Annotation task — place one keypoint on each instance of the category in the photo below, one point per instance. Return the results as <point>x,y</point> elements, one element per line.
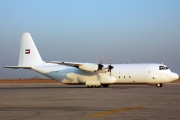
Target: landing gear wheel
<point>105,85</point>
<point>159,85</point>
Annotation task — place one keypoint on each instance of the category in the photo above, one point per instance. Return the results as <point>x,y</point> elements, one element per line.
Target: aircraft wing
<point>83,66</point>
<point>71,64</point>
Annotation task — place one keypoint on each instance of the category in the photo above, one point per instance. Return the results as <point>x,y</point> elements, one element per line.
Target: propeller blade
<point>133,60</point>
<point>102,58</point>
<point>110,67</point>
<point>100,66</point>
<point>110,60</point>
<point>97,61</point>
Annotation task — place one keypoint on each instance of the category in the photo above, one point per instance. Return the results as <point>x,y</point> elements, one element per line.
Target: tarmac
<point>48,101</point>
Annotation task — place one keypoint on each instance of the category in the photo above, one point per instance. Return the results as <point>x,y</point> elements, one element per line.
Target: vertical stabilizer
<point>29,54</point>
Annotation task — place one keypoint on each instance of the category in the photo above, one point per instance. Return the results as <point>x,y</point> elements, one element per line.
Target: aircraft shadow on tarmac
<point>72,87</point>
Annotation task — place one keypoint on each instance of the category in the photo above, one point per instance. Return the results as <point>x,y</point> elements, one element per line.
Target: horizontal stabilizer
<point>17,67</point>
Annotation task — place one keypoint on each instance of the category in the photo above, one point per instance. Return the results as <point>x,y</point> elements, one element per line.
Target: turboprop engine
<point>88,67</point>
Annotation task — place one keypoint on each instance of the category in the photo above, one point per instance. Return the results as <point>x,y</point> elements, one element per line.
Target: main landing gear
<point>90,86</point>
<point>104,85</point>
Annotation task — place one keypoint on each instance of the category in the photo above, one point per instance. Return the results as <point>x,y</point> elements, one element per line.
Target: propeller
<point>100,66</point>
<point>110,67</point>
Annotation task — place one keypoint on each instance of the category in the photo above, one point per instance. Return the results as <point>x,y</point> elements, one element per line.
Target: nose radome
<point>175,76</point>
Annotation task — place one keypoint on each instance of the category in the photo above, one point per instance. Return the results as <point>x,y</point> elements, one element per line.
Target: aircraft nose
<point>174,76</point>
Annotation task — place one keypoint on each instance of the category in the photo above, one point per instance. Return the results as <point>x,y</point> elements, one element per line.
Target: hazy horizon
<point>81,31</point>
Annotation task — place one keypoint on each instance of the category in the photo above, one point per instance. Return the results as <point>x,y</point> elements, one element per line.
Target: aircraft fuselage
<point>120,74</point>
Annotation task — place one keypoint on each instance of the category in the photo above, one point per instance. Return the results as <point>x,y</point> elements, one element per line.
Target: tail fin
<point>29,54</point>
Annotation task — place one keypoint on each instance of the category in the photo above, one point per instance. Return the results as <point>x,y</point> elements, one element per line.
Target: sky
<point>82,30</point>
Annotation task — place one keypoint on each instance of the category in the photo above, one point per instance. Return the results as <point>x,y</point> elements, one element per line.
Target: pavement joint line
<point>115,111</point>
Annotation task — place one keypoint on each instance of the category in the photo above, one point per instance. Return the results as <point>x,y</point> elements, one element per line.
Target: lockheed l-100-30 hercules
<point>92,74</point>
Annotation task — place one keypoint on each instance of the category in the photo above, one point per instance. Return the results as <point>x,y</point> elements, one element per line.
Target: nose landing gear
<point>159,85</point>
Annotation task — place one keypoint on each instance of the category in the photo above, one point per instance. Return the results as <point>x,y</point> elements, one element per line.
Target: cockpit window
<point>163,68</point>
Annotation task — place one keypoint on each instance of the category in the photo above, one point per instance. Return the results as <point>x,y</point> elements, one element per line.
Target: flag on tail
<point>27,51</point>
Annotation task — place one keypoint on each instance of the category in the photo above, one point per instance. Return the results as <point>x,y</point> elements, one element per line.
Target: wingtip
<point>5,66</point>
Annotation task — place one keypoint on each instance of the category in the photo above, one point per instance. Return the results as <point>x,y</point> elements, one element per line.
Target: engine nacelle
<point>106,79</point>
<point>88,67</point>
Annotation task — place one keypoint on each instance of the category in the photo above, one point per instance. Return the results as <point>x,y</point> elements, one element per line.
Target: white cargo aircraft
<point>91,74</point>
